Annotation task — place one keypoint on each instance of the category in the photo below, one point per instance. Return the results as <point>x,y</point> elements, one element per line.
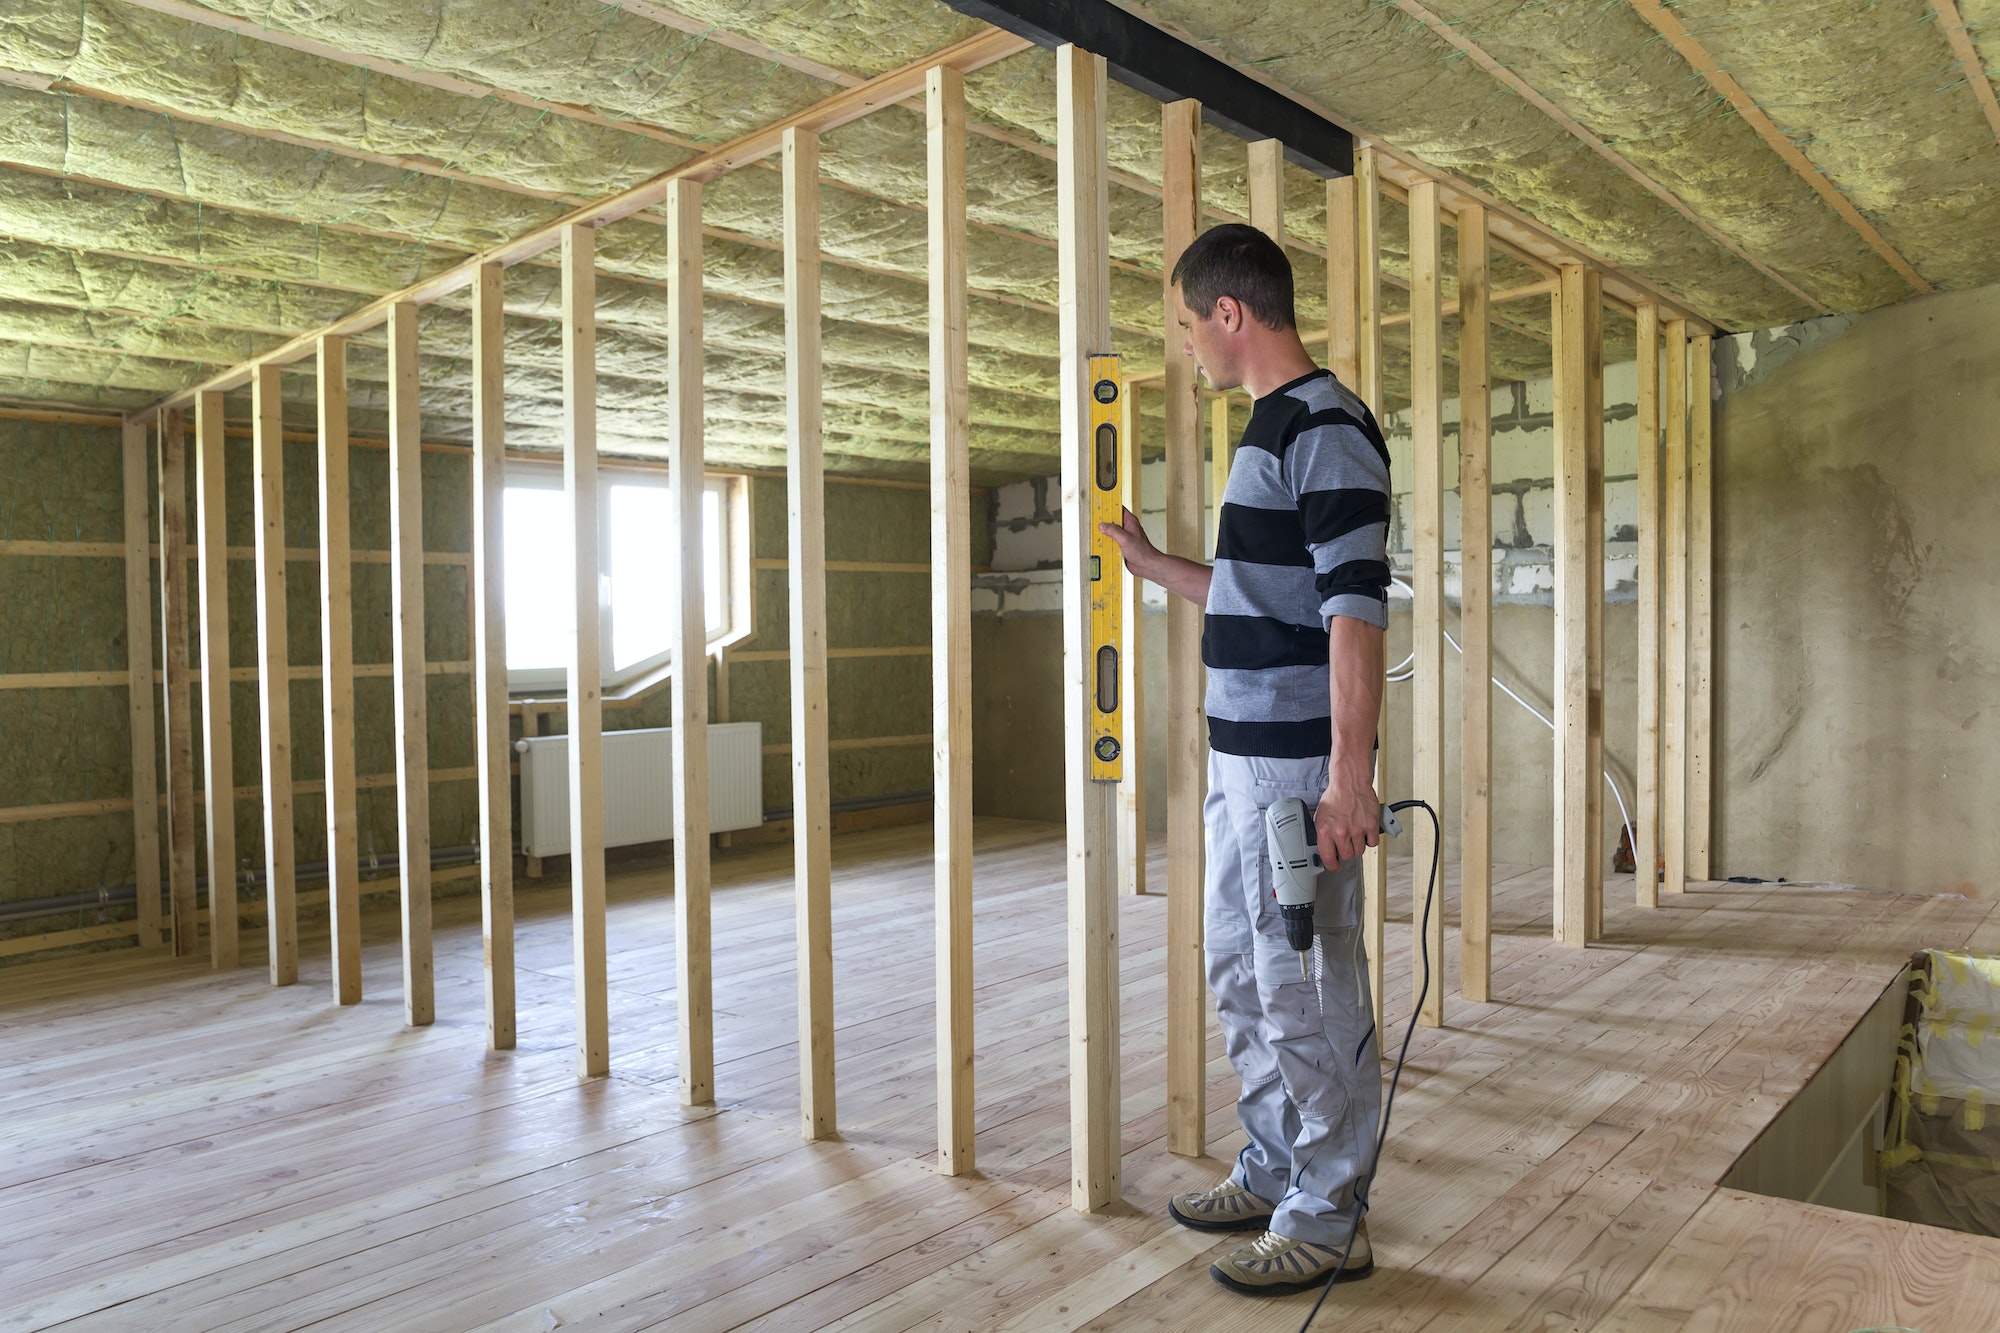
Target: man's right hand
<point>1133,543</point>
<point>1143,560</point>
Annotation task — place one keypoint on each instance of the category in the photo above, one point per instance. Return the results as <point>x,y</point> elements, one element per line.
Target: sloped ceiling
<point>183,186</point>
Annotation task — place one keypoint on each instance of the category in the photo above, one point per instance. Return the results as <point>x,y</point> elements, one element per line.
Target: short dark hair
<point>1240,261</point>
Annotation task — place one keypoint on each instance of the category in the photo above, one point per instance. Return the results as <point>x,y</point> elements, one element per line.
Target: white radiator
<point>639,785</point>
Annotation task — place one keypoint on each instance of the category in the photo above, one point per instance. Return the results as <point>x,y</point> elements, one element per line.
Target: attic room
<point>652,680</point>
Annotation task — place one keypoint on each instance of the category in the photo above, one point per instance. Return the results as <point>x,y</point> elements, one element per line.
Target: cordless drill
<point>1296,866</point>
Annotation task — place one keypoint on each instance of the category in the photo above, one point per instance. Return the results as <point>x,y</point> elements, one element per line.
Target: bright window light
<point>540,606</point>
<point>642,573</point>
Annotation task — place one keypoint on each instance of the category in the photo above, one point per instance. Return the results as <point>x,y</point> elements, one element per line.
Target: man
<point>1297,603</point>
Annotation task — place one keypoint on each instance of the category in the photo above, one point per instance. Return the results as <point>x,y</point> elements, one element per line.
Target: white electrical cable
<point>1405,669</point>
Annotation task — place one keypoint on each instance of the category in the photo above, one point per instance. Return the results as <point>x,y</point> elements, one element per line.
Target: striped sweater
<point>1303,538</point>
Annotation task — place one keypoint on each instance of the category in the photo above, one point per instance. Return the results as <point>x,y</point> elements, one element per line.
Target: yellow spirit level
<point>1107,573</point>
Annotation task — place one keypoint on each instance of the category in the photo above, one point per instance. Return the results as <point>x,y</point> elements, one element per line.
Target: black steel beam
<point>1164,67</point>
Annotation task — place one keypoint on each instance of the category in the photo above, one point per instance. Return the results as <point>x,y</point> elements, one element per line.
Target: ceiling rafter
<point>1960,41</point>
<point>1691,50</point>
<point>1528,93</point>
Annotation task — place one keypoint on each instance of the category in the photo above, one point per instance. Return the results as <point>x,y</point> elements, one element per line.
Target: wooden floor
<point>200,1152</point>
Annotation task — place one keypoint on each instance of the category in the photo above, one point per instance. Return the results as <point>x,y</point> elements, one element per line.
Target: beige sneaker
<point>1227,1207</point>
<point>1274,1265</point>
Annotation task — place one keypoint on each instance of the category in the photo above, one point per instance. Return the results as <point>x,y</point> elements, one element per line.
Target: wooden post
<point>1187,753</point>
<point>336,630</point>
<point>1475,617</point>
<point>1267,187</point>
<point>1701,608</point>
<point>1578,708</point>
<point>1674,614</point>
<point>217,765</point>
<point>1132,667</point>
<point>489,652</point>
<point>586,678</point>
<point>274,675</point>
<point>805,576</point>
<point>1368,383</point>
<point>1342,350</point>
<point>1593,573</point>
<point>406,598</point>
<point>1427,574</point>
<point>1083,239</point>
<point>951,616</point>
<point>174,694</point>
<point>1646,796</point>
<point>139,684</point>
<point>688,643</point>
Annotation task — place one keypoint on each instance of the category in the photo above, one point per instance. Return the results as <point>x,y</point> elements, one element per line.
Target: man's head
<point>1233,295</point>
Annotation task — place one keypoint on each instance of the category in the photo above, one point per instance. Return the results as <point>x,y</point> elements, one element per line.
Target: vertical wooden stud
<point>1083,239</point>
<point>406,598</point>
<point>336,630</point>
<point>1646,794</point>
<point>217,765</point>
<point>1132,666</point>
<point>1579,435</point>
<point>586,678</point>
<point>175,694</point>
<point>139,684</point>
<point>1342,350</point>
<point>274,676</point>
<point>688,644</point>
<point>951,615</point>
<point>1674,616</point>
<point>1368,383</point>
<point>1427,572</point>
<point>489,651</point>
<point>1475,619</point>
<point>1267,187</point>
<point>1593,573</point>
<point>1701,607</point>
<point>1187,752</point>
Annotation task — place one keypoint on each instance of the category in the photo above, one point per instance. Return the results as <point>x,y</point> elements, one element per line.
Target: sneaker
<point>1227,1207</point>
<point>1274,1265</point>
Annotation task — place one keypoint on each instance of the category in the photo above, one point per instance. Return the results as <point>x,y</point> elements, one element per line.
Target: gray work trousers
<point>1305,1047</point>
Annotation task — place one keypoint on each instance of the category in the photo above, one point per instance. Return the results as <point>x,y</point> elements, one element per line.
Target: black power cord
<point>1389,1102</point>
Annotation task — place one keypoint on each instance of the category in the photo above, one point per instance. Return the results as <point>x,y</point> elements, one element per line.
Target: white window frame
<point>736,624</point>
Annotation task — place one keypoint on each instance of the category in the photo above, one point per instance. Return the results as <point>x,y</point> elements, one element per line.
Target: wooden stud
<point>805,576</point>
<point>688,644</point>
<point>951,616</point>
<point>217,765</point>
<point>174,694</point>
<point>1475,618</point>
<point>1646,795</point>
<point>1132,666</point>
<point>585,697</point>
<point>1219,458</point>
<point>1266,182</point>
<point>489,652</point>
<point>274,682</point>
<point>406,598</point>
<point>1187,749</point>
<point>1342,349</point>
<point>1674,617</point>
<point>1701,608</point>
<point>1593,571</point>
<point>336,628</point>
<point>1579,436</point>
<point>1427,572</point>
<point>1368,383</point>
<point>139,684</point>
<point>1084,234</point>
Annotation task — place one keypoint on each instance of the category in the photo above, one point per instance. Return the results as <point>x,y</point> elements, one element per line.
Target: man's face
<point>1207,340</point>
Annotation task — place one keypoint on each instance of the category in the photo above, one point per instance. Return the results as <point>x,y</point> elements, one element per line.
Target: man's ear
<point>1229,313</point>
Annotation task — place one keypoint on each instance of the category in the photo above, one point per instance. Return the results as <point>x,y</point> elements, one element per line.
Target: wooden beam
<point>489,653</point>
<point>951,616</point>
<point>1475,618</point>
<point>805,579</point>
<point>1593,573</point>
<point>274,683</point>
<point>1952,23</point>
<point>1646,794</point>
<point>1342,350</point>
<point>1218,464</point>
<point>1083,227</point>
<point>1368,383</point>
<point>1575,325</point>
<point>139,683</point>
<point>1187,749</point>
<point>586,669</point>
<point>336,628</point>
<point>1674,616</point>
<point>174,669</point>
<point>1427,571</point>
<point>1266,182</point>
<point>406,598</point>
<point>688,645</point>
<point>1701,606</point>
<point>217,765</point>
<point>1132,667</point>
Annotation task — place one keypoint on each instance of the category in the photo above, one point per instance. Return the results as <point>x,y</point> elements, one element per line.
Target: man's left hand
<point>1348,822</point>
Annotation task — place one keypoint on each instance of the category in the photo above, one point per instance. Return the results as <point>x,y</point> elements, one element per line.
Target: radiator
<point>639,785</point>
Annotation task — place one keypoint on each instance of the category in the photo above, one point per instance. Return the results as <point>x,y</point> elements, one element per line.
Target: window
<point>638,547</point>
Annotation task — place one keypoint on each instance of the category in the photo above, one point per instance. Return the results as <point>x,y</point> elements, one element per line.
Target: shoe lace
<point>1270,1245</point>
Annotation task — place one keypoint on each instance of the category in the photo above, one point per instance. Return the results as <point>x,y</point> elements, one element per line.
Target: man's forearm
<point>1179,576</point>
<point>1354,656</point>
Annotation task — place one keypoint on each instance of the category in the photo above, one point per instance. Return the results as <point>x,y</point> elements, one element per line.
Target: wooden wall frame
<point>274,681</point>
<point>217,762</point>
<point>336,628</point>
<point>489,653</point>
<point>406,597</point>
